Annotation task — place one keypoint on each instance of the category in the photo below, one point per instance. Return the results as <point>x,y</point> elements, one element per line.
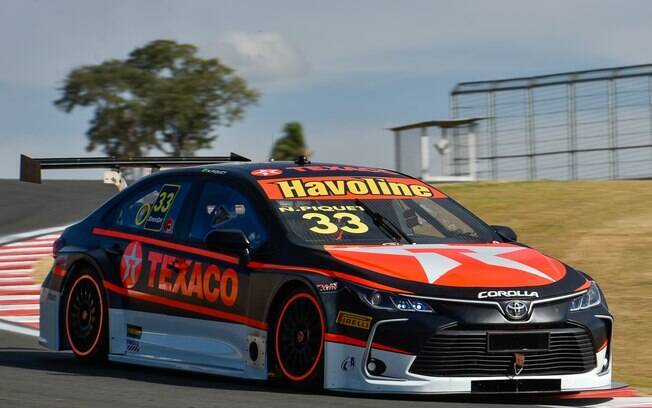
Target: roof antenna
<point>302,160</point>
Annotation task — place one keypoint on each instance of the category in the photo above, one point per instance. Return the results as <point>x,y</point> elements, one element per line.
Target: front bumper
<point>346,370</point>
<point>395,340</point>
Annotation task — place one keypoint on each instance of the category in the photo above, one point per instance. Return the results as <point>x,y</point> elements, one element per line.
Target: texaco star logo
<point>266,172</point>
<point>437,260</point>
<point>131,264</point>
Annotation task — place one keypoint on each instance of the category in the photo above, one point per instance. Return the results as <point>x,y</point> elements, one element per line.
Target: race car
<point>352,278</point>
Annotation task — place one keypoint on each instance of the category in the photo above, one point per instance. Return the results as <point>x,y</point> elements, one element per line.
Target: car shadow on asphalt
<point>63,363</point>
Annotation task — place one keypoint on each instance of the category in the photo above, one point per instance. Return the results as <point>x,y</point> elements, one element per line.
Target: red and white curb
<point>611,402</point>
<point>19,293</point>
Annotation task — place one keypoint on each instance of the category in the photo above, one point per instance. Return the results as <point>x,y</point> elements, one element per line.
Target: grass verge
<point>41,268</point>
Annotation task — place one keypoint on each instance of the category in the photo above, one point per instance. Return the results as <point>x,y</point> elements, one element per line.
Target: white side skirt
<point>184,343</point>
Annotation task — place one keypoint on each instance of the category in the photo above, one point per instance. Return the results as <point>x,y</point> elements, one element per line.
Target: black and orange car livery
<point>355,278</point>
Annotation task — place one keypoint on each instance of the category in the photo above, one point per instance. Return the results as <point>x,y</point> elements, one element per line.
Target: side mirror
<point>228,240</point>
<point>505,232</point>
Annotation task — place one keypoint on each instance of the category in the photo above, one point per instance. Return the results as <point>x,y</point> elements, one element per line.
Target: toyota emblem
<point>517,309</point>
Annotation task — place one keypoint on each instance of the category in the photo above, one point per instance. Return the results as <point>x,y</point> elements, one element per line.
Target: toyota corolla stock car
<point>351,278</point>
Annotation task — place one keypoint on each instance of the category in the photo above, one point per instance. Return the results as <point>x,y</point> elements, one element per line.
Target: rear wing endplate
<point>30,168</point>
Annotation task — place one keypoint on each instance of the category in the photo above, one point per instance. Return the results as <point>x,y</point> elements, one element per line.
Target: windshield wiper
<point>384,224</point>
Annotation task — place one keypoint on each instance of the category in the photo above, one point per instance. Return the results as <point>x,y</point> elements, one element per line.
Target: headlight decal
<point>590,299</point>
<point>388,301</point>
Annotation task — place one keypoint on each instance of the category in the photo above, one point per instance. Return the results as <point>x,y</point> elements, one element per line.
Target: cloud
<point>263,56</point>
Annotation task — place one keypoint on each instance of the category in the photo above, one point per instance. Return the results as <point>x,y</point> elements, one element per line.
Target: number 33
<point>354,224</point>
<point>162,205</point>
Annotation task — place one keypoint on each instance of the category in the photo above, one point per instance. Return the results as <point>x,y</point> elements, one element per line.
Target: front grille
<point>464,354</point>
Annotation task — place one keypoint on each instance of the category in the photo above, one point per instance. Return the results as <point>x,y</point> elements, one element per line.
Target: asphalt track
<point>33,377</point>
<point>26,206</point>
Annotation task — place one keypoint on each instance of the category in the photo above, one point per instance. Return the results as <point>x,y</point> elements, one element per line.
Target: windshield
<point>355,210</point>
<point>346,222</point>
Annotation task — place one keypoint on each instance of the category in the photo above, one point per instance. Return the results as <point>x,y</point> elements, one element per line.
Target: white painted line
<point>15,264</point>
<point>30,234</point>
<point>16,272</point>
<point>19,287</point>
<point>45,250</point>
<point>21,319</point>
<point>15,328</point>
<point>51,237</point>
<point>16,279</point>
<point>29,306</point>
<point>19,297</point>
<point>29,244</point>
<point>20,257</point>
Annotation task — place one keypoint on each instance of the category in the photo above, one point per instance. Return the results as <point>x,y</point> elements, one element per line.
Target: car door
<point>141,239</point>
<point>183,304</point>
<point>223,340</point>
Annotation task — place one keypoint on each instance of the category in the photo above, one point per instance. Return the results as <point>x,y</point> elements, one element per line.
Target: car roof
<point>243,170</point>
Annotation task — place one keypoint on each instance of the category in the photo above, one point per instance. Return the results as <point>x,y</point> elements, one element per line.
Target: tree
<point>162,96</point>
<point>292,145</point>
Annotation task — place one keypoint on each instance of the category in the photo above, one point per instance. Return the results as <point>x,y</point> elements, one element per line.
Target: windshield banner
<point>342,188</point>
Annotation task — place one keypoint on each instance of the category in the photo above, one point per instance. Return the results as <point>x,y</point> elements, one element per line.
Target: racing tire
<point>298,340</point>
<point>86,317</point>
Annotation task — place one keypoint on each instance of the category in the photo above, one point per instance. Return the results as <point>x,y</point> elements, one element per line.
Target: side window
<point>155,208</point>
<point>222,207</point>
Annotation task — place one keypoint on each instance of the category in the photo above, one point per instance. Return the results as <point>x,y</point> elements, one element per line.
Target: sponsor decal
<point>326,287</point>
<point>348,363</point>
<point>319,208</point>
<point>133,346</point>
<point>347,188</point>
<point>214,171</point>
<point>307,169</point>
<point>353,320</point>
<point>481,265</point>
<point>179,276</point>
<point>169,225</point>
<point>266,172</point>
<point>159,210</point>
<point>143,214</point>
<point>131,264</point>
<point>507,293</point>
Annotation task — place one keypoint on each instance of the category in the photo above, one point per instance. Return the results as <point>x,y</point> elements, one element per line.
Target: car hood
<point>497,265</point>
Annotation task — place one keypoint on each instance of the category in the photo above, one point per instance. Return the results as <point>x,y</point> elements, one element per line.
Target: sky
<point>346,69</point>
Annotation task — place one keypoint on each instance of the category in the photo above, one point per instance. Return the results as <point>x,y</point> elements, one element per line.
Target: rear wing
<point>30,168</point>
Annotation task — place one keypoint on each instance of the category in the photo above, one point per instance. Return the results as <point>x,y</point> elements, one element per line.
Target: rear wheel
<point>85,317</point>
<point>299,339</point>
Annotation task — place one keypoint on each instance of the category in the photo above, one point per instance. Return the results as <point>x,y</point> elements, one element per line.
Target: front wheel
<point>299,339</point>
<point>85,317</point>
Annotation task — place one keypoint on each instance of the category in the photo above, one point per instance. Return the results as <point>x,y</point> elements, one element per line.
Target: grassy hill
<point>601,227</point>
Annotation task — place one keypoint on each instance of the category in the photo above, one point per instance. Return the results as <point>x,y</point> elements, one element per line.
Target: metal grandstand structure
<point>437,150</point>
<point>593,124</point>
